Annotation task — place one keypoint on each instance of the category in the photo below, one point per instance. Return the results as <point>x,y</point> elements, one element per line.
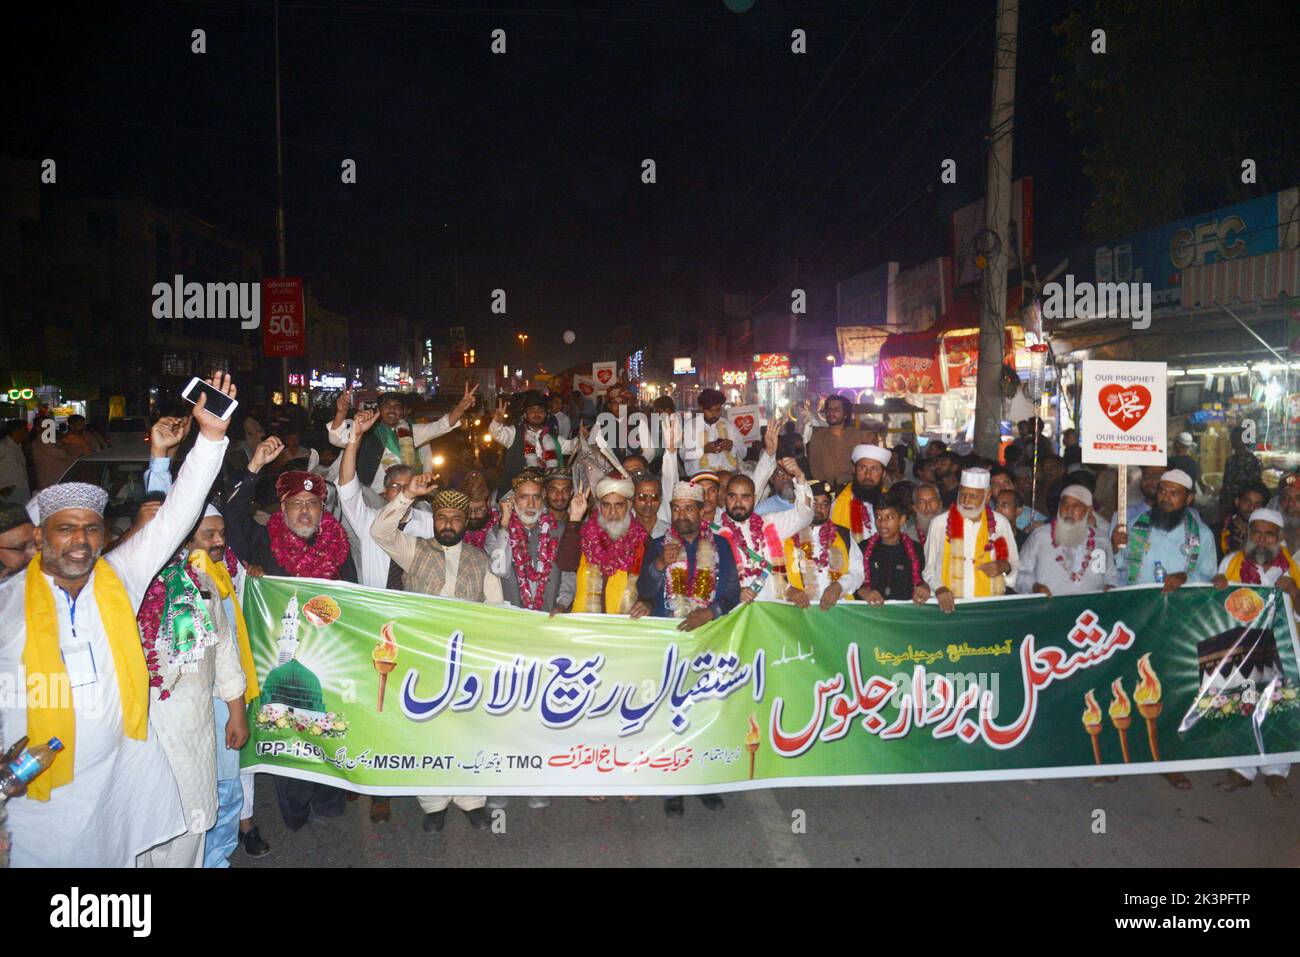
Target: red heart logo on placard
<point>1125,405</point>
<point>586,388</point>
<point>744,423</point>
<point>604,375</point>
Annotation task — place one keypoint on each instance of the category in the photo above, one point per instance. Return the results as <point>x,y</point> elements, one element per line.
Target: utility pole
<point>997,216</point>
<point>279,195</point>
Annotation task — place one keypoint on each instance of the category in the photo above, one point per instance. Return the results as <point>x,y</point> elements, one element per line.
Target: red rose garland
<point>320,559</point>
<point>152,609</point>
<point>739,546</point>
<point>860,520</point>
<point>608,554</point>
<point>957,530</point>
<point>478,538</point>
<point>825,536</point>
<point>531,578</point>
<point>1250,570</point>
<point>1087,552</point>
<point>908,547</point>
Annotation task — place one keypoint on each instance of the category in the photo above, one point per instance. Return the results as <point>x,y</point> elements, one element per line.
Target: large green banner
<point>391,693</point>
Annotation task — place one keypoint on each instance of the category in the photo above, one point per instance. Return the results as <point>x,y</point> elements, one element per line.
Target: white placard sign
<point>1123,413</point>
<point>747,420</point>
<point>605,374</point>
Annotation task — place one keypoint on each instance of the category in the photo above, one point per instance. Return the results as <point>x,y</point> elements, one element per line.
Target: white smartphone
<point>218,404</point>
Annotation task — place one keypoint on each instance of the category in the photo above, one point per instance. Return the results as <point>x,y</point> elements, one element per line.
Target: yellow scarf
<point>1233,572</point>
<point>598,595</point>
<point>49,697</point>
<point>793,570</point>
<point>220,576</point>
<point>954,573</point>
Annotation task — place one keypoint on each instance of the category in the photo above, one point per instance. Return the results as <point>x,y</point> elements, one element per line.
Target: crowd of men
<point>146,633</point>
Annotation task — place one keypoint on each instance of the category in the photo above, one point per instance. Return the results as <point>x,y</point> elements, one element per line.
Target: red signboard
<point>284,327</point>
<point>772,365</point>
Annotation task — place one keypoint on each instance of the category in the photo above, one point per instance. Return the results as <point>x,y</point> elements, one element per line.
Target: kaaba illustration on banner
<point>1238,657</point>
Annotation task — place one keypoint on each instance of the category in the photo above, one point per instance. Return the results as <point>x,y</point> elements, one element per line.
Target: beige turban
<point>612,486</point>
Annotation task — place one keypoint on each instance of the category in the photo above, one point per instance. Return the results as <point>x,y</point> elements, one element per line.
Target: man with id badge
<point>68,638</point>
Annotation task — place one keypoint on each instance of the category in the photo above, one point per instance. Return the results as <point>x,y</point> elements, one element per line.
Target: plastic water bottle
<point>1159,572</point>
<point>18,770</point>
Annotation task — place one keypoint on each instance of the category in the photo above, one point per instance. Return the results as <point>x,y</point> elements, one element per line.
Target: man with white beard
<point>1069,555</point>
<point>1266,562</point>
<point>1288,501</point>
<point>970,550</point>
<point>524,553</point>
<point>606,551</point>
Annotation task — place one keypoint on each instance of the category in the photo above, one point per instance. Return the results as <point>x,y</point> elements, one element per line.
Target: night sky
<point>522,171</point>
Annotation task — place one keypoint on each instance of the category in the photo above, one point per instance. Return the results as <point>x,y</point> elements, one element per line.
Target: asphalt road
<point>1147,823</point>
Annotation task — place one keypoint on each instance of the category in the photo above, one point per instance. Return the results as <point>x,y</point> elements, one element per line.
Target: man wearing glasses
<point>17,540</point>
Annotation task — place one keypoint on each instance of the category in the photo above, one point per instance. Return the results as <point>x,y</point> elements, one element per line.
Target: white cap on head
<point>1270,515</point>
<point>71,495</point>
<point>975,478</point>
<point>612,486</point>
<point>1079,493</point>
<point>685,491</point>
<point>1178,477</point>
<point>211,511</point>
<point>874,452</point>
<point>1185,438</point>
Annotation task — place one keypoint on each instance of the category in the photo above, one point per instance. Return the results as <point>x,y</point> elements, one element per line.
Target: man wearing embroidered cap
<point>688,574</point>
<point>855,507</point>
<point>68,635</point>
<point>1171,535</point>
<point>970,550</point>
<point>301,540</point>
<point>446,566</point>
<point>524,549</point>
<point>1069,555</point>
<point>1264,562</point>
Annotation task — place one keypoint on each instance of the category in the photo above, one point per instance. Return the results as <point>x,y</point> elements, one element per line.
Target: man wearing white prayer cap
<point>1263,562</point>
<point>68,631</point>
<point>970,550</point>
<point>1172,535</point>
<point>855,507</point>
<point>1069,555</point>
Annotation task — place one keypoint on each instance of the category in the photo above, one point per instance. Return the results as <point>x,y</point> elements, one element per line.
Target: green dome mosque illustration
<point>291,683</point>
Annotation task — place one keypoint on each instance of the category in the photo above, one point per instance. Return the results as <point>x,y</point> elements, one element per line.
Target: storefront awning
<point>944,355</point>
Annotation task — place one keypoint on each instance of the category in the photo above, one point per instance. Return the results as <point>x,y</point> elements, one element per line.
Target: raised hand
<point>466,401</point>
<point>503,411</point>
<point>421,484</point>
<point>364,420</point>
<point>791,466</point>
<point>343,403</point>
<point>213,428</point>
<point>578,504</point>
<point>165,435</point>
<point>672,552</point>
<point>770,439</point>
<point>268,451</point>
<point>507,508</point>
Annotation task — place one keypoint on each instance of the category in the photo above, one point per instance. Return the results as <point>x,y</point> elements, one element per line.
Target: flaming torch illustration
<point>752,737</point>
<point>1092,723</point>
<point>1147,696</point>
<point>1121,714</point>
<point>384,658</point>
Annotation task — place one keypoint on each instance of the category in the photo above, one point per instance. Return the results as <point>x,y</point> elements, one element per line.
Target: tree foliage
<point>1186,90</point>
